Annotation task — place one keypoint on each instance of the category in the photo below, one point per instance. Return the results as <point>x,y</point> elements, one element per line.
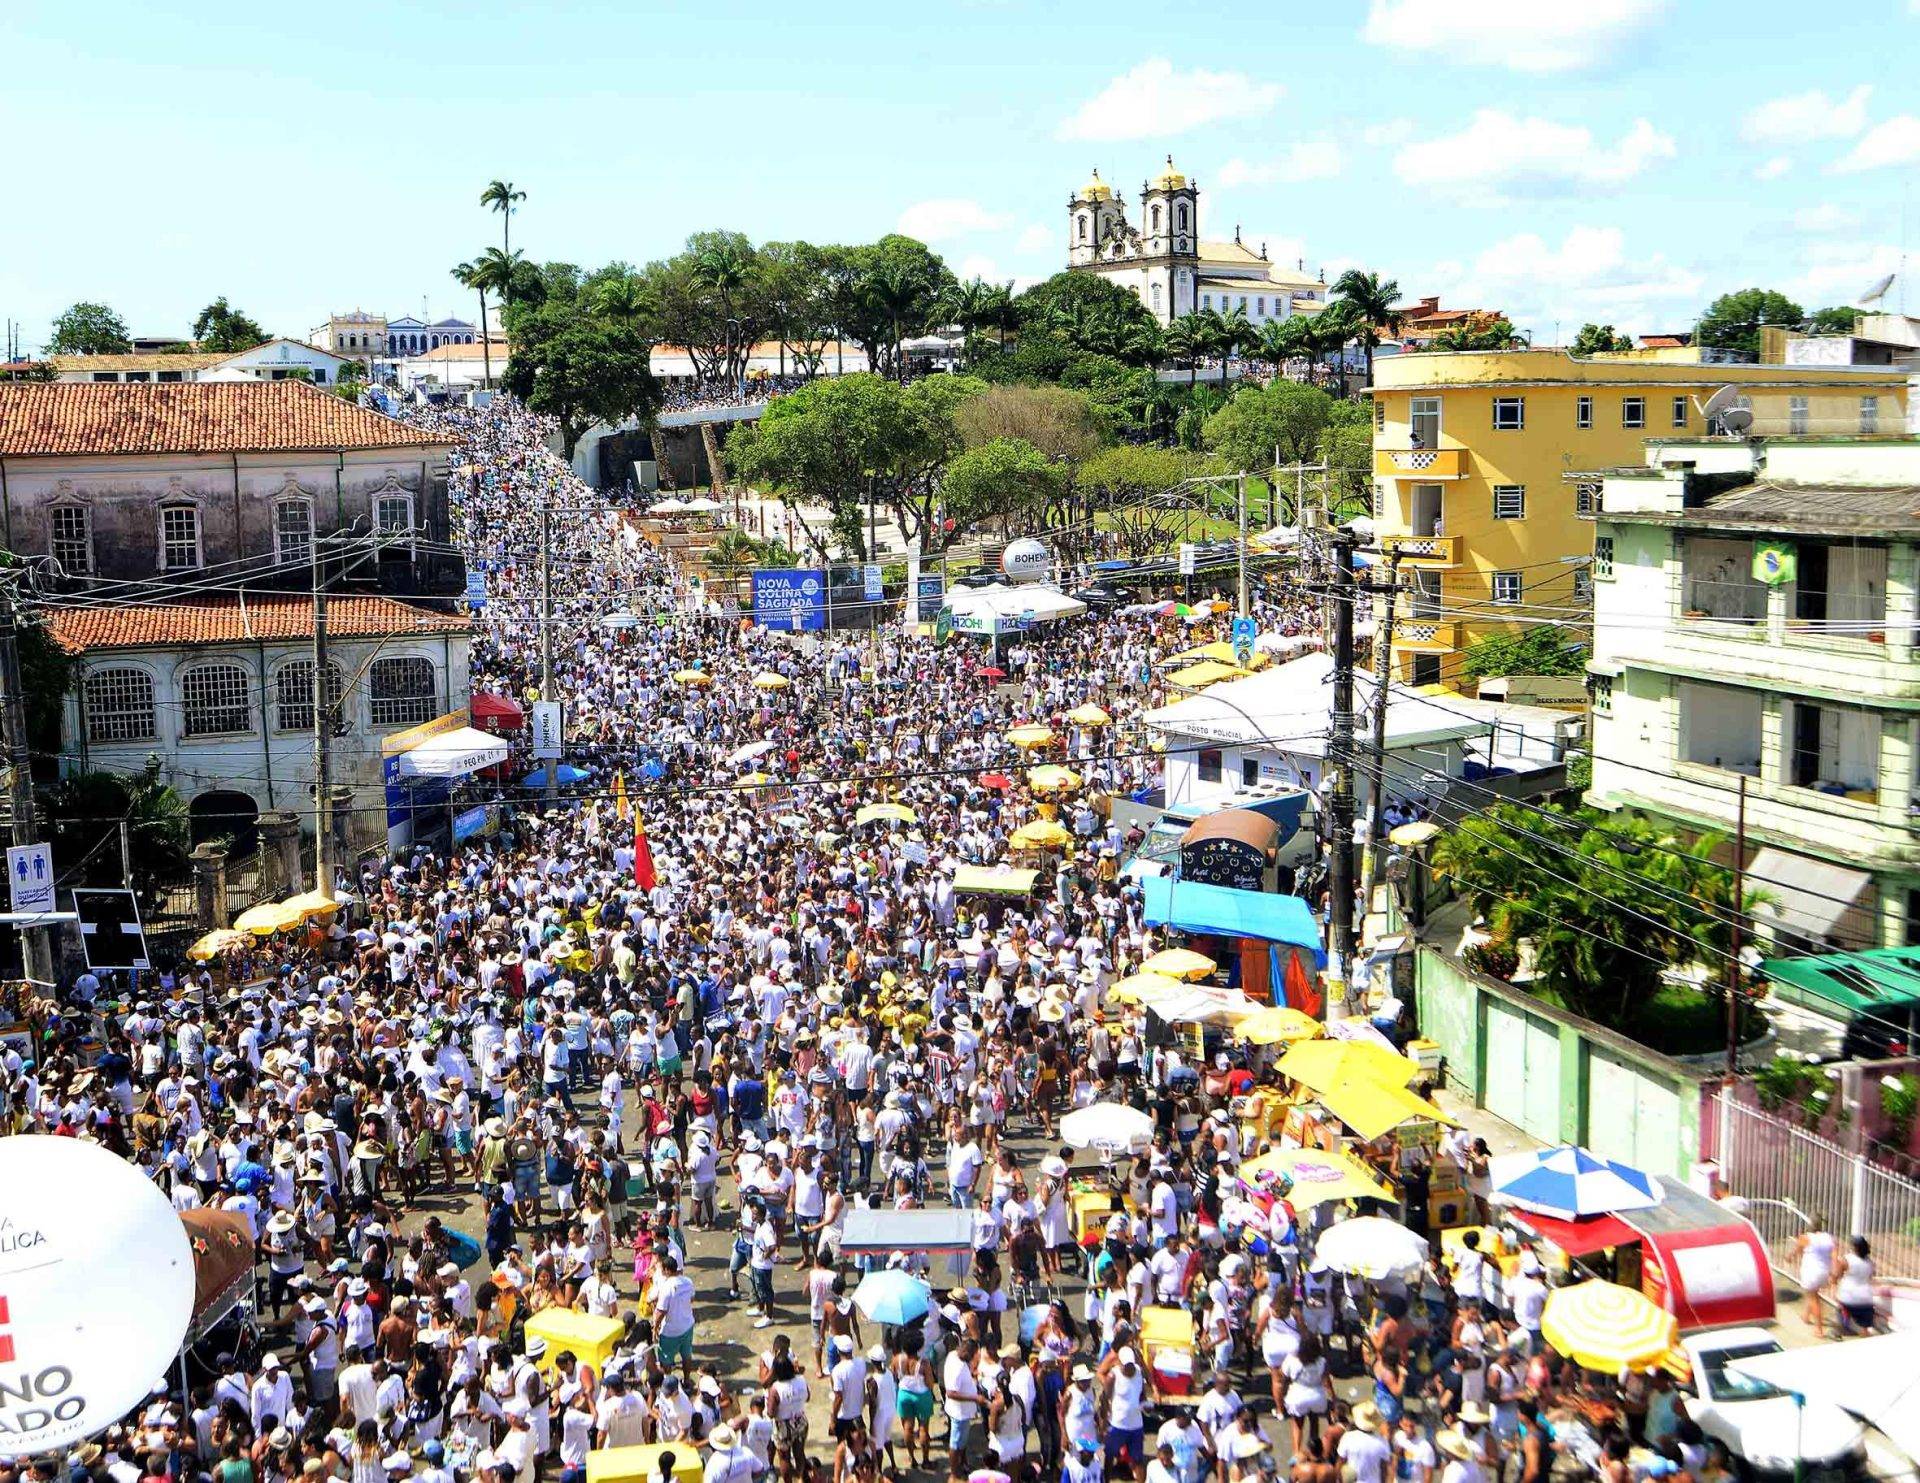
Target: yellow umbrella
<point>768,680</point>
<point>268,918</point>
<point>1053,778</point>
<point>1317,1176</point>
<point>1206,672</point>
<point>1143,987</point>
<point>218,941</point>
<point>1089,715</point>
<point>754,780</point>
<point>898,812</point>
<point>1604,1326</point>
<point>692,677</point>
<point>1041,834</point>
<point>1372,1107</point>
<point>1179,962</point>
<point>1272,1025</point>
<point>1032,735</point>
<point>312,904</point>
<point>1320,1064</point>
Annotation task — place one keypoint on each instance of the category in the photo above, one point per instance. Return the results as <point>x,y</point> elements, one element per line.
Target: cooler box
<point>588,1338</point>
<point>1426,1054</point>
<point>1166,1334</point>
<point>642,1464</point>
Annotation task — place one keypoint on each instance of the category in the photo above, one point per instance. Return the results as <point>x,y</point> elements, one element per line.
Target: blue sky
<point>1619,160</point>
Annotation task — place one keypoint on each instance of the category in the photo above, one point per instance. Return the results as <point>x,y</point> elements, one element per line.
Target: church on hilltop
<point>1166,263</point>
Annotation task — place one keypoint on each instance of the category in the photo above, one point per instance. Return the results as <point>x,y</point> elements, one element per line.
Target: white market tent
<point>1290,706</point>
<point>453,754</point>
<point>987,609</point>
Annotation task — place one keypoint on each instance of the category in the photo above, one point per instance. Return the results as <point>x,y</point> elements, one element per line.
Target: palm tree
<point>1000,313</point>
<point>1371,298</point>
<point>474,275</point>
<point>1142,343</point>
<point>892,291</point>
<point>1186,340</point>
<point>967,305</point>
<point>502,197</point>
<point>1280,340</point>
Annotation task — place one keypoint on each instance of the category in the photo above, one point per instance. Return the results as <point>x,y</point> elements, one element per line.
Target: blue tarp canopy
<point>1221,910</point>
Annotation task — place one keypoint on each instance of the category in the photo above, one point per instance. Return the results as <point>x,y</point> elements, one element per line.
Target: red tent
<point>496,714</point>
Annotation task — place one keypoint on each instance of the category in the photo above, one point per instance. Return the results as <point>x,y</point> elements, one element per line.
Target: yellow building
<point>1487,469</point>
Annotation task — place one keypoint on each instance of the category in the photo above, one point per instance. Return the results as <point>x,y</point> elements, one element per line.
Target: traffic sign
<point>110,931</point>
<point>30,876</point>
<point>1244,633</point>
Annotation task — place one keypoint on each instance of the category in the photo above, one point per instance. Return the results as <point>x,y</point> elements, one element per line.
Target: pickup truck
<point>1766,1429</point>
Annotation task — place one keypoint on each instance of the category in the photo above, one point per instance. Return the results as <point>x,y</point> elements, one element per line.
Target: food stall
<point>1697,1258</point>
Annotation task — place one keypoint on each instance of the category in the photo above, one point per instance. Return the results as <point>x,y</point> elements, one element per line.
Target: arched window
<point>402,691</point>
<point>1180,218</point>
<point>214,701</point>
<point>293,694</point>
<point>120,705</point>
<point>1156,219</point>
<point>1156,298</point>
<point>1083,228</point>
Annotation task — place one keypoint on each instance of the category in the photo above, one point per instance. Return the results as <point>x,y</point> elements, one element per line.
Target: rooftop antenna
<point>1876,292</point>
<point>1723,413</point>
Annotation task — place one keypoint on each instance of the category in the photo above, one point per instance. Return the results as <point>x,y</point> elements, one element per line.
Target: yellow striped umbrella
<point>1179,962</point>
<point>1053,778</point>
<point>1089,715</point>
<point>769,680</point>
<point>1032,735</point>
<point>898,813</point>
<point>1041,834</point>
<point>1279,1022</point>
<point>1142,988</point>
<point>692,677</point>
<point>218,941</point>
<point>1604,1326</point>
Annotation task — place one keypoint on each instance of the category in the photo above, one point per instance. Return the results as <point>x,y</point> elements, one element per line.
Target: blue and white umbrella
<point>1570,1182</point>
<point>891,1296</point>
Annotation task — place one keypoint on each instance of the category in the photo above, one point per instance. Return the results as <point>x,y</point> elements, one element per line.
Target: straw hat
<point>1454,1445</point>
<point>1366,1416</point>
<point>366,1148</point>
<point>722,1436</point>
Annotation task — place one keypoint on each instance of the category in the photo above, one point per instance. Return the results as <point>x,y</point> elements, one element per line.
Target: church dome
<point>1170,178</point>
<point>1096,189</point>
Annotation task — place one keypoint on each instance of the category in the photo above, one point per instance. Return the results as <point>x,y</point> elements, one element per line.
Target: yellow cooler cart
<point>642,1464</point>
<point>588,1338</point>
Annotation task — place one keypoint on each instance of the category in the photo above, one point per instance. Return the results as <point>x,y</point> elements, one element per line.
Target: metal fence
<point>1789,1177</point>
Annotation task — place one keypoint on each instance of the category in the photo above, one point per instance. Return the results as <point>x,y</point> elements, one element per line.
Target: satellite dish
<point>1721,399</point>
<point>1736,419</point>
<point>1878,292</point>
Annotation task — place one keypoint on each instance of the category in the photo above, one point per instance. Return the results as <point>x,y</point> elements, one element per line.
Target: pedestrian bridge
<point>694,416</point>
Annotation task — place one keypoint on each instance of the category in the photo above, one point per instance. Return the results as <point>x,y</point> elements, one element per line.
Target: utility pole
<point>1739,917</point>
<point>1240,488</point>
<point>36,950</point>
<point>1340,756</point>
<point>322,731</point>
<point>552,785</point>
<point>1383,680</point>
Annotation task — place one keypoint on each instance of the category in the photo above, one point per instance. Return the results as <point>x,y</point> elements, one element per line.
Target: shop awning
<point>1580,1237</point>
<point>452,754</point>
<point>495,712</point>
<point>1879,978</point>
<point>1192,907</point>
<point>1808,896</point>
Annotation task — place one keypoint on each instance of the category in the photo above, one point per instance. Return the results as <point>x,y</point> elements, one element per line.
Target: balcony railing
<point>1426,635</point>
<point>1425,552</point>
<point>1420,463</point>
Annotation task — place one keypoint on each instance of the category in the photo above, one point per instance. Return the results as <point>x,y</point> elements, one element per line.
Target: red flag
<point>643,873</point>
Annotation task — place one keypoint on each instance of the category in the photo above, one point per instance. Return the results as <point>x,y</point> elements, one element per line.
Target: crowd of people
<point>692,394</point>
<point>642,1054</point>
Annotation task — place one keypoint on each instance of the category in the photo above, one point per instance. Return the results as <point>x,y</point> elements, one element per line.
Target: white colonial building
<point>273,360</point>
<point>1166,263</point>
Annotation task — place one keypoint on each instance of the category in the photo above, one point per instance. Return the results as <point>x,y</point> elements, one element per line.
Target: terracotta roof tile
<point>240,620</point>
<point>185,360</point>
<point>39,419</point>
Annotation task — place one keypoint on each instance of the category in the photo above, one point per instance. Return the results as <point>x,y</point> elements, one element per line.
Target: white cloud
<point>1154,100</point>
<point>1774,168</point>
<point>1894,142</point>
<point>1837,272</point>
<point>1037,239</point>
<point>1499,158</point>
<point>978,265</point>
<point>1588,275</point>
<point>1392,131</point>
<point>946,217</point>
<point>1310,160</point>
<point>1818,220</point>
<point>1522,35</point>
<point>1798,117</point>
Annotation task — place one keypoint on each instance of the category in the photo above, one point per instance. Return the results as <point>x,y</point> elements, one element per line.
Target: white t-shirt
<point>1368,1455</point>
<point>1125,1411</point>
<point>963,1391</point>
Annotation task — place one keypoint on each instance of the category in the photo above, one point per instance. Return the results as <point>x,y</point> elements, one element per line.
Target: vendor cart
<point>1170,1349</point>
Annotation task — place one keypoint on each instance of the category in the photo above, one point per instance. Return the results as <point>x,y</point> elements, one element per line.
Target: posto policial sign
<point>96,1290</point>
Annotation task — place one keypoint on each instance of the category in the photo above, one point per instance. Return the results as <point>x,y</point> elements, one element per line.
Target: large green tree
<point>1061,422</point>
<point>798,303</point>
<point>81,815</point>
<point>886,292</point>
<point>1127,488</point>
<point>1733,321</point>
<point>575,359</point>
<point>224,329</point>
<point>1596,337</point>
<point>89,329</point>
<point>1279,422</point>
<point>1541,650</point>
<point>999,478</point>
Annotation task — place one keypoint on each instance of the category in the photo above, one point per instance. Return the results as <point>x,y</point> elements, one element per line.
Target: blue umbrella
<point>891,1296</point>
<point>653,769</point>
<point>1570,1182</point>
<point>566,775</point>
